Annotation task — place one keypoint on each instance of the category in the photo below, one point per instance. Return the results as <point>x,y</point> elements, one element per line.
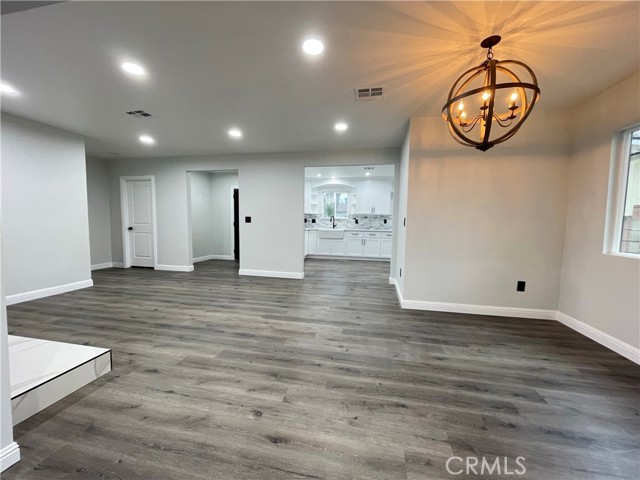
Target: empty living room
<point>320,240</point>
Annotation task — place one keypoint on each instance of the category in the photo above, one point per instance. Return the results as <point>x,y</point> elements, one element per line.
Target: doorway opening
<point>348,212</point>
<point>214,227</point>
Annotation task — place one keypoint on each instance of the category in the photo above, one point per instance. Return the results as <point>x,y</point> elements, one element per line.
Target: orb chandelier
<point>487,104</point>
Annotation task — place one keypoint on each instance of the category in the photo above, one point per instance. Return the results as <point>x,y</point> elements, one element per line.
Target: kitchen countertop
<point>387,230</point>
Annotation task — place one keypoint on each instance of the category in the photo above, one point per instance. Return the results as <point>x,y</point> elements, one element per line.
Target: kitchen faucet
<point>333,222</point>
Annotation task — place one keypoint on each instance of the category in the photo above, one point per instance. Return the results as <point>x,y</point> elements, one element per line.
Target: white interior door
<point>140,231</point>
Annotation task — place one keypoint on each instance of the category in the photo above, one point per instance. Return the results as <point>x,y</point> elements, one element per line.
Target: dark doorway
<point>236,223</point>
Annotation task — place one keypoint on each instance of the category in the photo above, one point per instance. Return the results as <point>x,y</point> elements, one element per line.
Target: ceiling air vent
<point>369,93</point>
<point>139,113</point>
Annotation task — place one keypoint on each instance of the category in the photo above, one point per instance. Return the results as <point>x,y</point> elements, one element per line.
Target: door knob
<point>130,228</point>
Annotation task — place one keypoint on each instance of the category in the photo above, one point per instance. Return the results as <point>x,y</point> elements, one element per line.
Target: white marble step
<point>43,372</point>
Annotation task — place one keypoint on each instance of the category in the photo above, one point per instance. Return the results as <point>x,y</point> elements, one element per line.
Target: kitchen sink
<point>333,233</point>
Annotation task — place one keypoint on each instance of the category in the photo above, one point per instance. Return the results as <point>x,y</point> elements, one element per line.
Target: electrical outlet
<point>247,219</point>
<point>520,286</point>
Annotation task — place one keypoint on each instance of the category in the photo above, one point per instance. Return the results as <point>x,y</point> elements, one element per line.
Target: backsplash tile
<point>365,222</point>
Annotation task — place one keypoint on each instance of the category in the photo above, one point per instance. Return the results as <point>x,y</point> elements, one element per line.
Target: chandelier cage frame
<point>528,93</point>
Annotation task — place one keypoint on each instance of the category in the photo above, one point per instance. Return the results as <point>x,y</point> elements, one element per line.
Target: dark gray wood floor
<point>218,376</point>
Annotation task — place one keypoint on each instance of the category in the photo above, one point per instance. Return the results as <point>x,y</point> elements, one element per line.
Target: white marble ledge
<point>33,361</point>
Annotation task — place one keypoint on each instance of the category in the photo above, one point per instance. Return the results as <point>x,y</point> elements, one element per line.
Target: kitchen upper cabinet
<point>373,196</point>
<point>307,197</point>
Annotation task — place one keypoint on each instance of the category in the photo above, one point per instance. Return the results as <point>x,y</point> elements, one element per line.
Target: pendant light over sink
<point>489,103</point>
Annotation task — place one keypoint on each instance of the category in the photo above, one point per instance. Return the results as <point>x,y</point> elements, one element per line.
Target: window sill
<point>635,256</point>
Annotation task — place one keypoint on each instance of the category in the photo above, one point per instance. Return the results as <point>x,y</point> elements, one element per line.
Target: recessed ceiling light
<point>235,133</point>
<point>8,89</point>
<point>132,68</point>
<point>333,178</point>
<point>367,174</point>
<point>341,126</point>
<point>319,175</point>
<point>313,46</point>
<point>146,139</point>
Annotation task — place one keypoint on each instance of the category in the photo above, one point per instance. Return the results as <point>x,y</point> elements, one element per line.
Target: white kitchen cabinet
<point>307,197</point>
<point>385,245</point>
<point>354,244</point>
<point>382,197</point>
<point>371,247</point>
<point>324,246</point>
<point>373,196</point>
<point>306,242</point>
<point>313,242</point>
<point>338,247</point>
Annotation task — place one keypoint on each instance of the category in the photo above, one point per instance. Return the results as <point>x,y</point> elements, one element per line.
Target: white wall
<point>201,214</point>
<point>271,192</point>
<point>45,220</point>
<point>477,222</point>
<point>400,196</point>
<point>600,290</point>
<point>99,214</point>
<point>222,184</point>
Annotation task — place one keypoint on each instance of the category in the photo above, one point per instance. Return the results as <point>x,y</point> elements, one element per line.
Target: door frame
<point>124,215</point>
<point>233,236</point>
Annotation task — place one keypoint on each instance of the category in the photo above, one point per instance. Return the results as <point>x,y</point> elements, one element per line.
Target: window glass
<point>630,235</point>
<point>336,205</point>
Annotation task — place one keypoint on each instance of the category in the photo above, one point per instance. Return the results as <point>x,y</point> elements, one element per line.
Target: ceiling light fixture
<point>146,139</point>
<point>132,68</point>
<point>491,97</point>
<point>313,46</point>
<point>235,133</point>
<point>341,126</point>
<point>367,174</point>
<point>319,175</point>
<point>8,89</point>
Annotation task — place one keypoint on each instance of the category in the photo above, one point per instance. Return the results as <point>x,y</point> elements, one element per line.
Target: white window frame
<point>618,178</point>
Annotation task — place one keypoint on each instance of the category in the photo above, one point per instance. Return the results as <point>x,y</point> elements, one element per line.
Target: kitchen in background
<point>348,212</point>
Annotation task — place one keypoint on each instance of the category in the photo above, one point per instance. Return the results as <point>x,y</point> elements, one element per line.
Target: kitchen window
<point>624,196</point>
<point>336,204</point>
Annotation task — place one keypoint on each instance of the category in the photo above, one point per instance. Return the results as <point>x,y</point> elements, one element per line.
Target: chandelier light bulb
<point>486,96</point>
<point>514,96</point>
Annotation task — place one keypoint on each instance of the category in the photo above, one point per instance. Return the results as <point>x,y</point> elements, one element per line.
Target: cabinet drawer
<point>387,235</point>
<point>354,234</point>
<point>372,235</point>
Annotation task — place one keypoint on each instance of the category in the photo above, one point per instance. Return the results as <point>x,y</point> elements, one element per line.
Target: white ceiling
<point>213,65</point>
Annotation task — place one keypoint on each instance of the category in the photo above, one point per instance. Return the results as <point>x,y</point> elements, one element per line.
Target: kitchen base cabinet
<point>313,243</point>
<point>385,245</point>
<point>354,244</point>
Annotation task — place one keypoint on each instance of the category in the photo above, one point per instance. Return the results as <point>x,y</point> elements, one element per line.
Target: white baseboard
<point>175,268</point>
<point>612,343</point>
<point>101,266</point>
<point>518,312</point>
<point>117,264</point>
<point>47,292</point>
<point>213,257</point>
<point>270,273</point>
<point>9,455</point>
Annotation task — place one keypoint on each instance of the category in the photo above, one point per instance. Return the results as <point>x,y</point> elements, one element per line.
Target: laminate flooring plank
<point>221,376</point>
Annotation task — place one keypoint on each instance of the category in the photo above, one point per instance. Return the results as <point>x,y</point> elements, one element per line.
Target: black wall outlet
<point>385,221</point>
<point>520,287</point>
<point>313,220</point>
<point>247,219</point>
